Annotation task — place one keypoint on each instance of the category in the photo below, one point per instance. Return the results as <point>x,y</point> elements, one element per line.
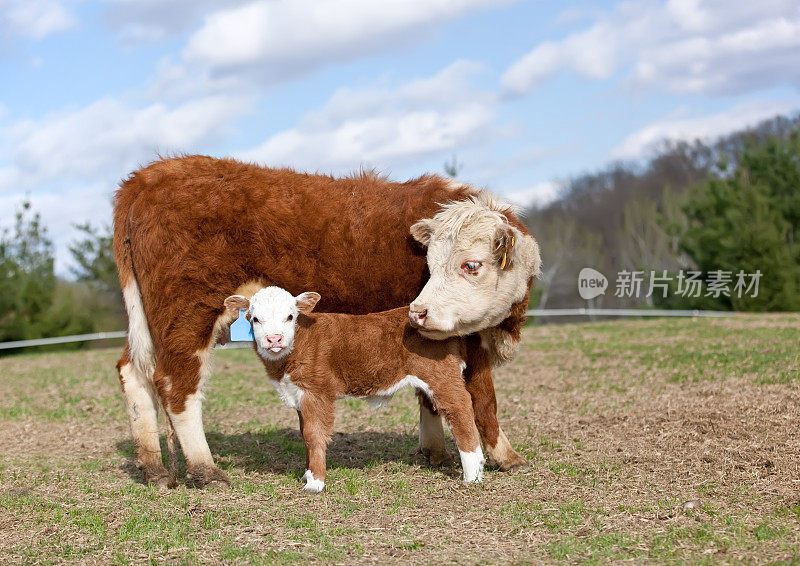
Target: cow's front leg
<point>478,379</point>
<point>182,392</point>
<point>431,432</point>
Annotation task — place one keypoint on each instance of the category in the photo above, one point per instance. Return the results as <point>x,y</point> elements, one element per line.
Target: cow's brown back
<point>199,227</point>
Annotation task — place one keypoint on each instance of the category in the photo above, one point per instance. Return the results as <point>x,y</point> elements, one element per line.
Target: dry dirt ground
<point>651,441</point>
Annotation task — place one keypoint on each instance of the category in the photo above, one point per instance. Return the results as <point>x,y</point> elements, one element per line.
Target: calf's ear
<point>421,231</point>
<point>236,302</point>
<point>306,301</point>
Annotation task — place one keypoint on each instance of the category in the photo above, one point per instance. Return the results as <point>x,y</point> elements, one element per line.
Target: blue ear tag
<point>241,329</point>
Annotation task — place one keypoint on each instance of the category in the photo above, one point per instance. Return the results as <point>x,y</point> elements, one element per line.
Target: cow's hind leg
<point>431,432</point>
<point>478,378</point>
<point>181,379</point>
<point>141,400</point>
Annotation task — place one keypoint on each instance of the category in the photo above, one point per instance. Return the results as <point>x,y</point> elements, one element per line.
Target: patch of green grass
<point>527,515</point>
<point>232,551</point>
<point>767,530</point>
<point>687,350</point>
<point>595,549</point>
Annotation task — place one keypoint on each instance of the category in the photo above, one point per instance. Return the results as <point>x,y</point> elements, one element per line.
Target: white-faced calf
<point>314,358</point>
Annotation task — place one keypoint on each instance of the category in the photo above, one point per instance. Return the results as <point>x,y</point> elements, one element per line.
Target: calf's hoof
<point>313,485</point>
<point>207,477</point>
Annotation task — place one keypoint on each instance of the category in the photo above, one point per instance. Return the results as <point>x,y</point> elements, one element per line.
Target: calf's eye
<point>255,320</point>
<point>290,317</point>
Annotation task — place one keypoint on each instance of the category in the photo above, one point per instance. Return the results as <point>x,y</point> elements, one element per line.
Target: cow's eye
<point>290,317</point>
<point>255,320</point>
<point>471,267</point>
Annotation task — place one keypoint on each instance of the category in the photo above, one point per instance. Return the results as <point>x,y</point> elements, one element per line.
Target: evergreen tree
<point>27,277</point>
<point>748,221</point>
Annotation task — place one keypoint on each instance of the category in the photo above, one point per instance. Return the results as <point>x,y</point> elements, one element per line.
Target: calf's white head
<point>273,313</point>
<point>480,265</point>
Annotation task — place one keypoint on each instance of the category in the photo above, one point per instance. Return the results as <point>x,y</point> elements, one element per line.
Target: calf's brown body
<point>338,355</point>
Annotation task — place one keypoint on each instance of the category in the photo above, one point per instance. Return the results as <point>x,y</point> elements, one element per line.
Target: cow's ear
<point>306,301</point>
<point>422,231</point>
<point>505,238</point>
<point>236,302</point>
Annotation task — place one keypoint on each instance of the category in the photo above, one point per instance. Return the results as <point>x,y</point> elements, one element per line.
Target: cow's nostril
<point>417,317</point>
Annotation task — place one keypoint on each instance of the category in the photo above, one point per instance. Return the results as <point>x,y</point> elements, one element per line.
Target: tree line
<point>727,211</point>
<point>35,302</point>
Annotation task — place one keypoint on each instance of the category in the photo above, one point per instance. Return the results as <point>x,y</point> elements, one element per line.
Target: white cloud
<point>107,138</point>
<point>264,42</point>
<point>591,53</point>
<point>686,46</point>
<point>35,19</point>
<point>154,20</point>
<point>71,162</point>
<point>385,127</point>
<point>706,128</point>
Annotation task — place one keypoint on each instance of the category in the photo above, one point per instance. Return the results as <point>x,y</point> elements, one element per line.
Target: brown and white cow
<point>190,231</point>
<point>312,359</point>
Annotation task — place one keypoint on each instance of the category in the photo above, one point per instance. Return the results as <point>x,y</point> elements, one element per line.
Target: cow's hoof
<point>502,455</point>
<point>512,461</point>
<point>162,482</point>
<point>158,476</point>
<point>436,456</point>
<point>207,477</point>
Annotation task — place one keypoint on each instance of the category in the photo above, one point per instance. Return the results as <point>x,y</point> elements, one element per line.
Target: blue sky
<point>526,94</point>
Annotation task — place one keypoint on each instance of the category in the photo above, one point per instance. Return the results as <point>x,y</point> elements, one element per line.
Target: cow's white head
<point>480,265</point>
<point>273,313</point>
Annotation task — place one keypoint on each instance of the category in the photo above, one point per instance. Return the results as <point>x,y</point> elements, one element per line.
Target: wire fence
<point>624,312</point>
<point>62,339</point>
<point>580,312</point>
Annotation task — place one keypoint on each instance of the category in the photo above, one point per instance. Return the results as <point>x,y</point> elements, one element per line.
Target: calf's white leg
<point>456,404</point>
<point>316,426</point>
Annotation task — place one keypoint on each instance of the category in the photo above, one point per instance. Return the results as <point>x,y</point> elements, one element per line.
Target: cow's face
<point>273,313</point>
<point>479,267</point>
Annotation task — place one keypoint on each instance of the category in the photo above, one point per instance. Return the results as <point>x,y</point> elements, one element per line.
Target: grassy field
<point>652,441</point>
